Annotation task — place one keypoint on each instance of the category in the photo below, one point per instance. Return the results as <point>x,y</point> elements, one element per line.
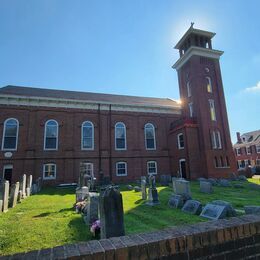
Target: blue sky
<point>126,47</point>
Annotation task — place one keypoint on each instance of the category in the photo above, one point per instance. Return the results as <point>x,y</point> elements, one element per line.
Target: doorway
<point>7,173</point>
<point>182,166</point>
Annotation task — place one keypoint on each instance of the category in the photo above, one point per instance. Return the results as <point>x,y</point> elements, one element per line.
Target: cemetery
<point>33,217</point>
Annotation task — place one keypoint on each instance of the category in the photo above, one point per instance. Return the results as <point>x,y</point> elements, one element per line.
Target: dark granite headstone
<point>212,211</point>
<point>111,213</point>
<point>252,209</point>
<point>213,181</point>
<point>192,207</point>
<point>230,211</point>
<point>176,201</point>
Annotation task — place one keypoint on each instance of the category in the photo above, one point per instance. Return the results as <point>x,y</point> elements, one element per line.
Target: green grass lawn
<point>47,219</point>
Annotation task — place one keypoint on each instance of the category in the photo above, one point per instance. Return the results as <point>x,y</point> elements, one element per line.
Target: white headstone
<point>24,186</point>
<point>14,194</point>
<point>6,196</point>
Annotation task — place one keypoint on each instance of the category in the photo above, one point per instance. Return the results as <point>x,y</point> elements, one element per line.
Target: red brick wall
<point>30,156</point>
<point>194,71</point>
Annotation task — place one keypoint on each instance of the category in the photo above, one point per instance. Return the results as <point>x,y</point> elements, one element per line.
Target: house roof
<point>247,139</point>
<point>88,96</point>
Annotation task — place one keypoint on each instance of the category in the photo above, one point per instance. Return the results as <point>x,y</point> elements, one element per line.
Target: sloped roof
<point>250,138</point>
<point>87,96</point>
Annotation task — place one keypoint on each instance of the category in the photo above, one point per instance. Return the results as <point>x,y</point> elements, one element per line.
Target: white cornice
<point>16,100</point>
<point>194,50</point>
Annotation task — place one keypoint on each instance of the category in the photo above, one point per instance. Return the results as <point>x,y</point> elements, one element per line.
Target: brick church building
<point>51,133</point>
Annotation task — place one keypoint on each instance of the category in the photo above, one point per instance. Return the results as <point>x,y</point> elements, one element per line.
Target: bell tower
<point>203,104</point>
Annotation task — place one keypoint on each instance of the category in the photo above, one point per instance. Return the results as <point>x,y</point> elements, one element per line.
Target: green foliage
<point>47,219</point>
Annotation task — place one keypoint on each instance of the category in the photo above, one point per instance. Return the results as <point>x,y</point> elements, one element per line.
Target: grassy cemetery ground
<point>47,219</point>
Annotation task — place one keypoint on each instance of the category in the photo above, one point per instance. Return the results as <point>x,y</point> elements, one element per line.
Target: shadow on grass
<point>56,191</point>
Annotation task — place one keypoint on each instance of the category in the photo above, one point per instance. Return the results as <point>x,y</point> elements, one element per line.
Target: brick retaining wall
<point>235,238</point>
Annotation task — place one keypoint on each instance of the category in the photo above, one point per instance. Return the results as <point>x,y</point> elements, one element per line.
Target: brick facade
<point>34,107</point>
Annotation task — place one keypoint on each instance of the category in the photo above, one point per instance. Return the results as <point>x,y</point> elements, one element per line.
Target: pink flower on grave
<point>95,227</point>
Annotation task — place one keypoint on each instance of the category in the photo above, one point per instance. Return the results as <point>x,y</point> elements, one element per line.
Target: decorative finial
<point>191,24</point>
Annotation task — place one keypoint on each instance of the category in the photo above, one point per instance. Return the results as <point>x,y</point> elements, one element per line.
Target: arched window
<point>120,136</point>
<point>180,138</point>
<point>10,134</point>
<point>51,135</point>
<point>149,133</point>
<point>87,136</point>
<point>216,140</point>
<point>188,89</point>
<point>212,110</point>
<point>209,85</point>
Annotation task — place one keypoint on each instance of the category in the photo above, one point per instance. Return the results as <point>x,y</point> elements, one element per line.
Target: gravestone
<point>165,179</point>
<point>252,209</point>
<point>6,196</point>
<point>206,187</point>
<point>111,213</point>
<point>182,187</point>
<point>19,197</point>
<point>230,211</point>
<point>90,211</point>
<point>1,206</point>
<point>192,207</point>
<point>152,192</point>
<point>176,201</point>
<point>34,189</point>
<point>143,187</point>
<point>28,191</point>
<point>14,194</point>
<point>39,184</point>
<point>214,212</point>
<point>224,183</point>
<point>24,186</point>
<point>143,178</point>
<point>29,182</point>
<point>81,193</point>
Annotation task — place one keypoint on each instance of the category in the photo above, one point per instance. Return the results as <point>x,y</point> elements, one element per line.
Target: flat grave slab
<point>192,207</point>
<point>214,212</point>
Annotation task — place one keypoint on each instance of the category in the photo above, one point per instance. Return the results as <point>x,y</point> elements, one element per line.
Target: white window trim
<point>17,133</point>
<point>57,138</point>
<point>55,171</point>
<point>92,166</point>
<point>92,137</point>
<point>180,161</point>
<point>120,149</point>
<point>238,149</point>
<point>6,166</point>
<point>209,82</point>
<point>147,165</point>
<point>153,135</point>
<point>119,175</point>
<point>191,112</point>
<point>247,150</point>
<point>188,85</point>
<point>219,140</point>
<point>239,164</point>
<point>212,105</point>
<point>179,144</point>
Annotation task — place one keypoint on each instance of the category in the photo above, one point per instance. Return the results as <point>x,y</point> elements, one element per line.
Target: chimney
<point>239,137</point>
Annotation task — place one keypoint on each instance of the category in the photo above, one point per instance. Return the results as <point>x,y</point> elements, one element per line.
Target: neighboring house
<point>52,133</point>
<point>247,149</point>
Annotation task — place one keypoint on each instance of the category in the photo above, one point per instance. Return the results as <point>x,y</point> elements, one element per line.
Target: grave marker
<point>6,196</point>
<point>192,207</point>
<point>182,187</point>
<point>14,194</point>
<point>24,186</point>
<point>143,188</point>
<point>176,201</point>
<point>214,212</point>
<point>91,209</point>
<point>206,187</point>
<point>111,213</point>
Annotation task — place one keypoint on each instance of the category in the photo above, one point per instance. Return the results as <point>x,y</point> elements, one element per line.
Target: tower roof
<point>192,30</point>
